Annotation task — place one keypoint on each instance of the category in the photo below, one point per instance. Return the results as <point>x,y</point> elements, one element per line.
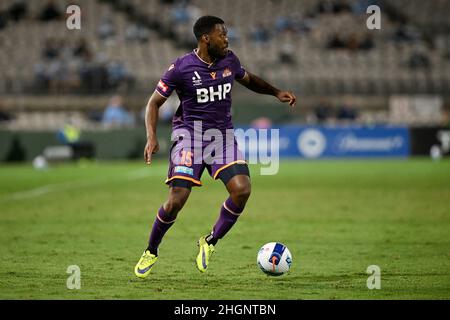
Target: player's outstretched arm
<point>151,121</point>
<point>259,85</point>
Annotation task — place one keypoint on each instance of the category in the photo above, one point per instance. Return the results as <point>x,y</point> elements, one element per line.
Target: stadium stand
<point>319,48</point>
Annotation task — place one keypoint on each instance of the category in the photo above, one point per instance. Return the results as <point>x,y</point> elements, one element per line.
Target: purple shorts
<point>189,160</point>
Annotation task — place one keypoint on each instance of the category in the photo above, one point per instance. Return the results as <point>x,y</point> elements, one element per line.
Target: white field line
<point>70,185</point>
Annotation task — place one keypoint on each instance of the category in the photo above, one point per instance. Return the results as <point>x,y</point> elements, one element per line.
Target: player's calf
<point>167,216</point>
<point>229,214</point>
<point>237,182</point>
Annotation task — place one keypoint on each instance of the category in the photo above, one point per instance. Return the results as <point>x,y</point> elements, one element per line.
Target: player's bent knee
<point>244,190</point>
<point>176,201</point>
<point>240,193</point>
<point>172,207</point>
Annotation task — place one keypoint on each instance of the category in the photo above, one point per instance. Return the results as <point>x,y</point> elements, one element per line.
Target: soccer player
<point>203,80</point>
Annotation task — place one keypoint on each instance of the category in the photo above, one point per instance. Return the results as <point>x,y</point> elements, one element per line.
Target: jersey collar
<point>209,64</point>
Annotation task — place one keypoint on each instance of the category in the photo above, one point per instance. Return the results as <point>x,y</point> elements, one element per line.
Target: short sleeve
<point>239,71</point>
<point>169,81</point>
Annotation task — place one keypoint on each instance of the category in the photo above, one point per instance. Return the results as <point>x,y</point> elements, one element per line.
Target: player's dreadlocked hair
<point>205,25</point>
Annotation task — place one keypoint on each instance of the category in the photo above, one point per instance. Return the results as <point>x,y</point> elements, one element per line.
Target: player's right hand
<point>287,96</point>
<point>151,147</point>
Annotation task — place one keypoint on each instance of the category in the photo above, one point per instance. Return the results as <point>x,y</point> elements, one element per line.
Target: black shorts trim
<point>181,183</point>
<point>236,169</point>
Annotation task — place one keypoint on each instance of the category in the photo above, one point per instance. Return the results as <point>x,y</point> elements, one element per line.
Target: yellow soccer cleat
<point>145,264</point>
<point>205,252</point>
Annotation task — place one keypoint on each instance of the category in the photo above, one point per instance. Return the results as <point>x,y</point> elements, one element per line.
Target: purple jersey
<point>204,90</point>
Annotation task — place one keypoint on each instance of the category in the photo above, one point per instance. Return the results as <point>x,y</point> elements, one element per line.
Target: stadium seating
<point>290,42</point>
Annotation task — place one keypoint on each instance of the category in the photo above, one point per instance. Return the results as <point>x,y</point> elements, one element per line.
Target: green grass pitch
<point>336,217</point>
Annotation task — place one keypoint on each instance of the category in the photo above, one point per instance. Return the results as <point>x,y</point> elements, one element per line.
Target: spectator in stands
<point>115,115</point>
<point>5,116</point>
<point>406,33</point>
<point>332,6</point>
<point>260,33</point>
<point>446,118</point>
<point>323,111</point>
<point>233,34</point>
<point>48,75</point>
<point>51,49</point>
<point>118,74</point>
<point>352,43</point>
<point>106,29</point>
<point>367,43</point>
<point>3,19</point>
<point>419,60</point>
<point>304,24</point>
<point>360,6</point>
<point>18,10</point>
<point>180,14</point>
<point>70,134</point>
<point>346,112</point>
<point>61,65</point>
<point>81,49</point>
<point>80,55</point>
<point>287,53</point>
<point>68,67</point>
<point>336,42</point>
<point>341,6</point>
<point>94,74</point>
<point>261,123</point>
<point>50,12</point>
<point>137,32</point>
<point>185,13</point>
<point>325,6</point>
<point>282,23</point>
<point>194,12</point>
<point>47,70</point>
<point>294,23</point>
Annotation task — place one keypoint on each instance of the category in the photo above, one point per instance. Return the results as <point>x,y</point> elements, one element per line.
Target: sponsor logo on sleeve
<point>226,73</point>
<point>164,87</point>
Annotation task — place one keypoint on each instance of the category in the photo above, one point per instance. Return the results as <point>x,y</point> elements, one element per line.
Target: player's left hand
<point>287,96</point>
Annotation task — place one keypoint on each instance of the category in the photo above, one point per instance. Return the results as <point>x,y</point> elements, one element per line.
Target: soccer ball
<point>274,259</point>
<point>40,163</point>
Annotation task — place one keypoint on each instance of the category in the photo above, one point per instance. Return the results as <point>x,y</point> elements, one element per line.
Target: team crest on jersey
<point>226,73</point>
<point>213,75</point>
<point>171,67</point>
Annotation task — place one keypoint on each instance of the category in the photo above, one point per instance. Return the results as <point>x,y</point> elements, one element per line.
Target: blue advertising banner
<point>313,142</point>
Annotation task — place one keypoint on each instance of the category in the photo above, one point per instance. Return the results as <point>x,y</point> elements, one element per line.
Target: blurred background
<point>70,94</point>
